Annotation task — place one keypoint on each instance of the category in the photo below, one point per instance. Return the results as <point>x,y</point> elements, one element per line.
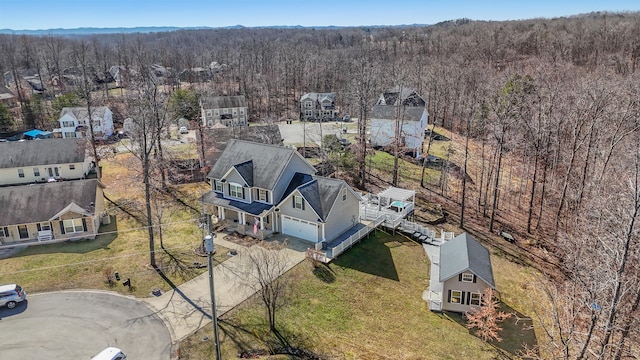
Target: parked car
<point>344,142</point>
<point>110,353</point>
<point>184,130</point>
<point>346,118</point>
<point>11,295</point>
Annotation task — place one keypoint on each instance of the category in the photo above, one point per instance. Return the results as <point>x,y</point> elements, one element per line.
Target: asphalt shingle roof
<point>321,193</point>
<point>464,253</point>
<point>269,161</point>
<point>223,102</point>
<point>40,202</point>
<point>41,152</point>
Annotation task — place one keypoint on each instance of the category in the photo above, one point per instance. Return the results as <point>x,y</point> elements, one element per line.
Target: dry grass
<point>123,245</point>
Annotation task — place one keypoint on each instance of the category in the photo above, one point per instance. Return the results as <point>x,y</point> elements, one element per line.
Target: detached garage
<point>299,228</point>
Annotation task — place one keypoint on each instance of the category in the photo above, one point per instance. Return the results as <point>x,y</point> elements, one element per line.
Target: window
<point>308,104</point>
<point>72,166</point>
<point>209,112</point>
<point>73,226</point>
<point>235,111</point>
<point>475,299</point>
<point>344,194</point>
<point>466,277</point>
<point>45,226</point>
<point>70,134</point>
<point>242,111</point>
<point>235,190</point>
<point>4,231</point>
<point>215,112</point>
<point>22,230</point>
<point>456,297</point>
<point>67,124</point>
<point>36,172</point>
<point>21,173</point>
<point>298,202</point>
<point>225,111</point>
<point>217,185</point>
<point>263,195</point>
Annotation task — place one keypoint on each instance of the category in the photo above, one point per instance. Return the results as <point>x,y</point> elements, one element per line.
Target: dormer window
<point>236,190</point>
<point>298,202</point>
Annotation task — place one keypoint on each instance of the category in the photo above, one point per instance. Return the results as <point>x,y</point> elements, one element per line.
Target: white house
<point>74,122</point>
<point>399,108</point>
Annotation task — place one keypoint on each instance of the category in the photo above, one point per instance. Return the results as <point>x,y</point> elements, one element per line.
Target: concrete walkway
<point>188,308</point>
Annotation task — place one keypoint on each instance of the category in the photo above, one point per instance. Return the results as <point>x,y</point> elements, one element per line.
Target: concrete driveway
<point>79,324</point>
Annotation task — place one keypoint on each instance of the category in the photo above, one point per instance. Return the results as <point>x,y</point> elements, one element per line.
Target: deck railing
<point>354,238</point>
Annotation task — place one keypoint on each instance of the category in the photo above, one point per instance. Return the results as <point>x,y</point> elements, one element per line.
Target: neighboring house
<point>28,82</point>
<point>399,108</point>
<point>225,110</point>
<point>74,122</point>
<point>261,189</point>
<point>318,106</point>
<point>27,162</point>
<point>50,212</point>
<point>6,97</point>
<point>460,275</point>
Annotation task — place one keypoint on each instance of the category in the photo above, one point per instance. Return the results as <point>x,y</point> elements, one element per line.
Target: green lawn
<point>365,305</point>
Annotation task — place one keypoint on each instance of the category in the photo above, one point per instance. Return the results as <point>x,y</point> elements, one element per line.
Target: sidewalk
<point>188,308</point>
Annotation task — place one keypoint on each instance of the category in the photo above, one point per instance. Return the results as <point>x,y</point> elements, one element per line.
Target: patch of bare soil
<point>241,240</point>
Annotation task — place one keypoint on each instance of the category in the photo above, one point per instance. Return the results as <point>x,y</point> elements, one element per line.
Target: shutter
<point>293,202</point>
<point>6,231</point>
<point>229,186</point>
<point>303,204</point>
<point>462,297</point>
<point>469,298</point>
<point>39,229</point>
<point>84,224</point>
<point>474,278</point>
<point>460,277</point>
<point>62,227</point>
<point>449,299</point>
<point>243,193</point>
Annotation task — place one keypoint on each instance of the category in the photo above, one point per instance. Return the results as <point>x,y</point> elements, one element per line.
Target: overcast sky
<point>51,14</point>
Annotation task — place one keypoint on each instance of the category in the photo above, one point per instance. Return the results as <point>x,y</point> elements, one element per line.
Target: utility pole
<point>208,244</point>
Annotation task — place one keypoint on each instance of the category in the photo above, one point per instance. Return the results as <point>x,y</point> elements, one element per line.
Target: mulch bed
<point>241,240</point>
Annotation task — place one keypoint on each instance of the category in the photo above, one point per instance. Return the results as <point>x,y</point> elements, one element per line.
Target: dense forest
<point>550,109</point>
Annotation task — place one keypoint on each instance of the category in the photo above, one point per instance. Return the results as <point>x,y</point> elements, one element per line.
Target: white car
<point>183,130</point>
<point>11,295</point>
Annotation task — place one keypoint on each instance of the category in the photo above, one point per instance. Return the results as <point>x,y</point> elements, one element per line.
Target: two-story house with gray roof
<point>318,106</point>
<point>399,112</point>
<point>262,189</point>
<point>459,275</point>
<point>27,162</point>
<point>75,122</point>
<point>225,110</point>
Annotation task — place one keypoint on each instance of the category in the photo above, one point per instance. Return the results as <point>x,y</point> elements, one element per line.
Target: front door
<point>22,230</point>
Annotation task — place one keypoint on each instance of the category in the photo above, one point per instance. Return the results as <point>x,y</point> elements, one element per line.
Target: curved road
<point>79,324</point>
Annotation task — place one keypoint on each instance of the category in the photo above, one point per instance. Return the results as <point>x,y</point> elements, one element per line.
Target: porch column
<point>261,223</point>
<point>324,238</point>
<point>221,212</point>
<point>242,219</point>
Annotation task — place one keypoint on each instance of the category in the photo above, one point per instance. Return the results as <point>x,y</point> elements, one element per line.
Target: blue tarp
<point>37,133</point>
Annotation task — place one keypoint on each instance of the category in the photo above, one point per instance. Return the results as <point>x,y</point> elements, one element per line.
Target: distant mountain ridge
<point>152,29</point>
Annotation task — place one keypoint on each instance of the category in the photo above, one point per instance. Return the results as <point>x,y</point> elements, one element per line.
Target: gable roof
<point>5,93</point>
<point>321,193</point>
<point>268,161</point>
<point>388,105</point>
<point>41,152</point>
<point>80,112</point>
<point>246,171</point>
<point>222,102</point>
<point>464,253</point>
<point>42,202</point>
<point>318,97</point>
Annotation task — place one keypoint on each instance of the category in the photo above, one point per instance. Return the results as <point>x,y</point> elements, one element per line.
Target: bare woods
<point>545,116</point>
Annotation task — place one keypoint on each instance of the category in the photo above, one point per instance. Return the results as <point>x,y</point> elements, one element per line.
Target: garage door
<point>299,228</point>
